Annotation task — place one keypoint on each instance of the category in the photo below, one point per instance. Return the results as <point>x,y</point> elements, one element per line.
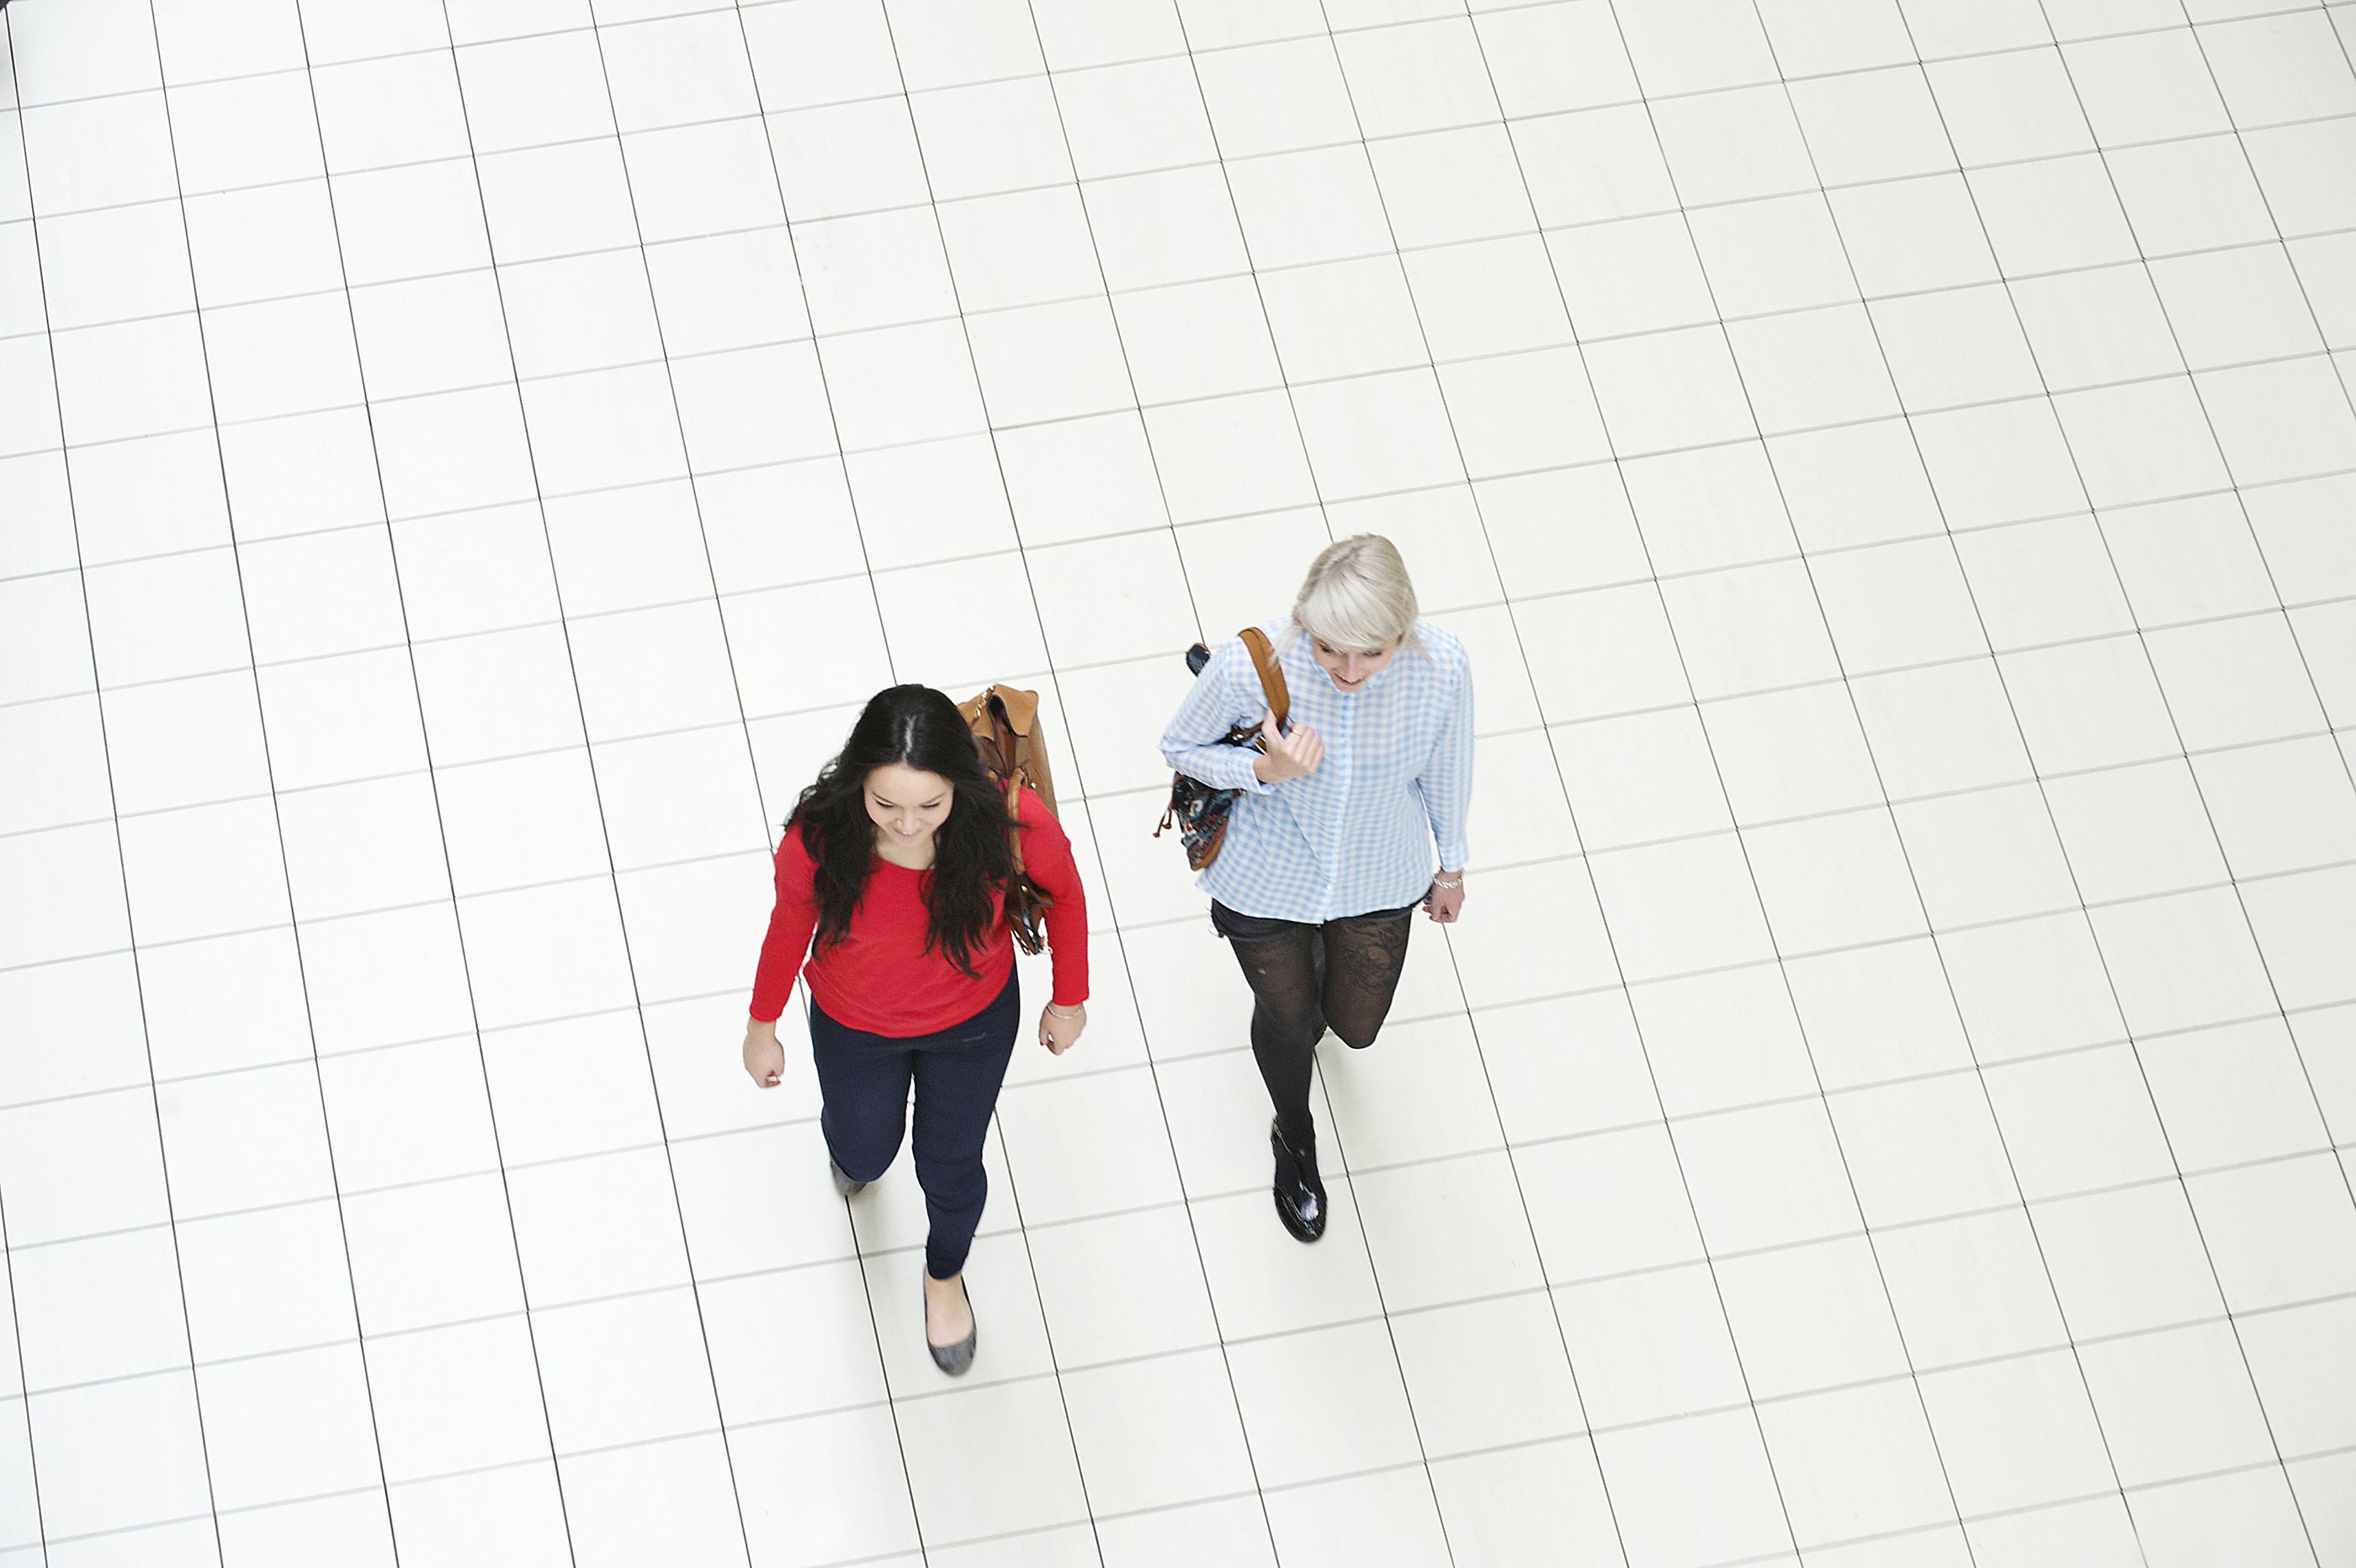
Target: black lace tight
<point>1305,979</point>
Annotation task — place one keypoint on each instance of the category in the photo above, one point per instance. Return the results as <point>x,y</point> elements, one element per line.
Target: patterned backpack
<point>1199,812</point>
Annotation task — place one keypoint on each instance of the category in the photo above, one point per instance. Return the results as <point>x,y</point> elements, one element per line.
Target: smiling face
<point>1350,668</point>
<point>907,806</point>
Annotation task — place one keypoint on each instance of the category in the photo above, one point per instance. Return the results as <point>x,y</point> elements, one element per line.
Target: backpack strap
<point>1001,728</point>
<point>1271,674</point>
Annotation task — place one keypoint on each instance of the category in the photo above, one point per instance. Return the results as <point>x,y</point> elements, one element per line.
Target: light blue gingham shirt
<point>1359,834</point>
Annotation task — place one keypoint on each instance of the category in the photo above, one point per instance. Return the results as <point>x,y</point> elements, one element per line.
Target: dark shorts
<point>1237,927</point>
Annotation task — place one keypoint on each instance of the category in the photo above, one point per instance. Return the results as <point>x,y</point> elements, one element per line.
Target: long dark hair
<point>974,858</point>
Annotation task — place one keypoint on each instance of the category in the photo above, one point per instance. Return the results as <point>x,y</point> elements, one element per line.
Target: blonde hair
<point>1357,596</point>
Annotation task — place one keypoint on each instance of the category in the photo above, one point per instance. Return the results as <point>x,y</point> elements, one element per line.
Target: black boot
<point>1300,1196</point>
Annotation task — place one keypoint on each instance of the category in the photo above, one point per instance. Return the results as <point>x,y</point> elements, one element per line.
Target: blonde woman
<point>1332,843</point>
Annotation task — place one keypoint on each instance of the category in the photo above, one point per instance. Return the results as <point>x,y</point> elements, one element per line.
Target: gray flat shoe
<point>956,1360</point>
<point>843,1185</point>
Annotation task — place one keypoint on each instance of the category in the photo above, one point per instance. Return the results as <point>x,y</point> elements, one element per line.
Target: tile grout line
<point>1901,1533</point>
<point>1600,584</point>
<point>1751,1561</point>
<point>737,690</point>
<point>1178,553</point>
<point>813,335</point>
<point>2249,923</point>
<point>1562,1337</point>
<point>1132,794</point>
<point>728,1449</point>
<point>2003,1139</point>
<point>981,393</point>
<point>1913,1374</point>
<point>2082,906</point>
<point>1863,945</point>
<point>155,1100</point>
<point>1206,1193</point>
<point>1767,1452</point>
<point>1207,521</point>
<point>1695,574</point>
<point>1902,851</point>
<point>2290,625</point>
<point>884,639</point>
<point>165,88</point>
<point>2052,821</point>
<point>972,365</point>
<point>465,960</point>
<point>432,393</point>
<point>1548,1286</point>
<point>708,7</point>
<point>278,828</point>
<point>538,502</point>
<point>1930,1427</point>
<point>1321,503</point>
<point>8,1252</point>
<point>2307,666</point>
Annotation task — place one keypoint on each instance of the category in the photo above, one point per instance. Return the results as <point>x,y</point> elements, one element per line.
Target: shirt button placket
<point>1337,829</point>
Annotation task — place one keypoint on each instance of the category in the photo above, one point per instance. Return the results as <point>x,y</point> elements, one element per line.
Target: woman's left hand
<point>1444,903</point>
<point>1060,1031</point>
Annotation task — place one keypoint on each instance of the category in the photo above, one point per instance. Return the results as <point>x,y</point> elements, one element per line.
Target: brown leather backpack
<point>1012,744</point>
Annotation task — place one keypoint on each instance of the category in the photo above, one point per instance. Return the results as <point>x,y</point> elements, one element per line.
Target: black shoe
<point>1300,1196</point>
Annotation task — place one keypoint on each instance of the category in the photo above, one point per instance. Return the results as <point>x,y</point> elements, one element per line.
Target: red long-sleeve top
<point>878,977</point>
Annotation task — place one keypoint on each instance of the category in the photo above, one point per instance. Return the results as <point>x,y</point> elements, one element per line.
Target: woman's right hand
<point>764,1059</point>
<point>1290,756</point>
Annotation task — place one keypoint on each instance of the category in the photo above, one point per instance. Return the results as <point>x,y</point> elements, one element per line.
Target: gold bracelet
<point>1071,1012</point>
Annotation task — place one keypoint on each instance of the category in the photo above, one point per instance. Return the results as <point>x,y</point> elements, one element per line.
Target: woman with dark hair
<point>897,861</point>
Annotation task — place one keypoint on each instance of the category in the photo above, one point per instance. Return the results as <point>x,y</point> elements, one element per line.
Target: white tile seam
<point>1554,1283</point>
<point>335,1180</point>
<point>180,1281</point>
<point>1130,793</point>
<point>1135,291</point>
<point>716,7</point>
<point>1050,548</point>
<point>1585,1435</point>
<point>2101,956</point>
<point>2267,962</point>
<point>1765,1448</point>
<point>1203,1193</point>
<point>617,871</point>
<point>330,175</point>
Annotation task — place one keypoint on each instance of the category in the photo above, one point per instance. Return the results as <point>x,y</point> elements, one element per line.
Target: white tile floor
<point>1891,1101</point>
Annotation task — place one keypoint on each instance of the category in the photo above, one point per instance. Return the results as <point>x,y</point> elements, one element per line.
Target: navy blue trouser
<point>864,1079</point>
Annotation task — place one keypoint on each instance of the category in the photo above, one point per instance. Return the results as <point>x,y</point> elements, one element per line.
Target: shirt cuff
<point>1241,768</point>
